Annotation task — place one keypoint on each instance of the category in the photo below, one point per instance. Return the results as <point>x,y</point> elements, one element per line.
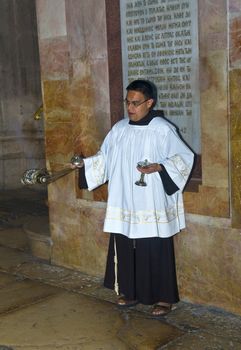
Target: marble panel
<point>235,41</point>
<point>213,75</point>
<point>76,28</point>
<point>97,195</point>
<point>62,190</point>
<point>235,104</point>
<point>59,143</point>
<point>65,252</point>
<point>236,182</point>
<point>212,26</point>
<point>89,90</point>
<point>209,265</point>
<point>96,38</point>
<point>90,115</point>
<point>235,131</point>
<point>51,18</point>
<point>215,15</point>
<point>101,193</point>
<point>78,240</point>
<point>80,68</point>
<point>56,101</point>
<point>213,195</point>
<point>214,120</point>
<point>86,25</point>
<point>87,140</point>
<point>87,133</point>
<point>208,201</point>
<point>234,7</point>
<point>81,86</point>
<point>54,58</point>
<point>84,194</point>
<point>99,77</point>
<point>89,129</point>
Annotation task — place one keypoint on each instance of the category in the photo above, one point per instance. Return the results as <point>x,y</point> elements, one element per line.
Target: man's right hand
<point>76,162</point>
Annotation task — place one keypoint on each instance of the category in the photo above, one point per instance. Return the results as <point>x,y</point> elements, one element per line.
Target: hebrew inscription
<point>160,43</point>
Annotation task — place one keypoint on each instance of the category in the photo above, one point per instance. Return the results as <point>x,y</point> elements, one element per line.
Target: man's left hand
<point>150,168</point>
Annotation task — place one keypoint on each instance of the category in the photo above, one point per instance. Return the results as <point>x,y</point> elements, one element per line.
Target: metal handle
<point>42,176</point>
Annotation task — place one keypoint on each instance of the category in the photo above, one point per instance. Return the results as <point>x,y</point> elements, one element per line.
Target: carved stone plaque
<point>160,43</point>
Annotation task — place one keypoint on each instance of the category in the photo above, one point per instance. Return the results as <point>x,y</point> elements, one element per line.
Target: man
<point>142,220</point>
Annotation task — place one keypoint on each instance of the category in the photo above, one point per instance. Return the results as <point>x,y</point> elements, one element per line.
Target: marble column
<point>75,85</point>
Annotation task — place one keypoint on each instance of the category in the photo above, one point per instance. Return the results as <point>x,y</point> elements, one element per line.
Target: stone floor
<point>44,307</point>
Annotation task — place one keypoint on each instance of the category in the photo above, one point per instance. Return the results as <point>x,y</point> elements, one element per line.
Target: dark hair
<point>146,87</point>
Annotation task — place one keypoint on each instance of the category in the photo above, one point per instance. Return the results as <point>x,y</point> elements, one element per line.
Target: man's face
<point>137,105</point>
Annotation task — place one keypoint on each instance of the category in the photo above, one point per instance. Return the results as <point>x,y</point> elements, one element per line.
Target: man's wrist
<point>159,167</point>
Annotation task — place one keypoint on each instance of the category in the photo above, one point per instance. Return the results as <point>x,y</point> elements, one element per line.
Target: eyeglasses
<point>135,104</point>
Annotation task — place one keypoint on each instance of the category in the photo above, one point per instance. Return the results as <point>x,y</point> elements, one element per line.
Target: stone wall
<point>75,82</point>
<point>75,64</point>
<point>208,252</point>
<point>21,137</point>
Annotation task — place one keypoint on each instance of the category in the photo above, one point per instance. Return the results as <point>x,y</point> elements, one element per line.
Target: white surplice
<point>136,211</point>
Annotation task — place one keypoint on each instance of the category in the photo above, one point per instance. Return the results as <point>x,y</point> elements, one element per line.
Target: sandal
<point>123,302</point>
<point>161,309</point>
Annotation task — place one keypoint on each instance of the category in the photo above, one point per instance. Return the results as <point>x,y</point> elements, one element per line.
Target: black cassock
<point>146,268</point>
